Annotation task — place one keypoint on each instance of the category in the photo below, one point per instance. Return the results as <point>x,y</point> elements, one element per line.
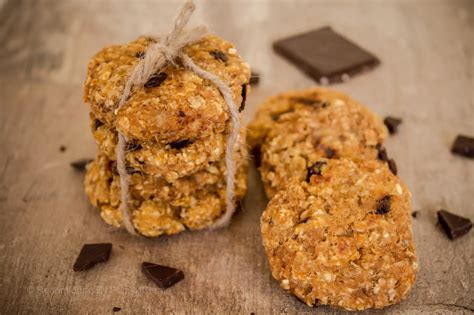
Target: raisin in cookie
<point>173,105</point>
<point>343,237</point>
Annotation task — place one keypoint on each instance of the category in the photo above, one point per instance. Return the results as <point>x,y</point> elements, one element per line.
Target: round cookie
<point>171,161</point>
<point>329,127</point>
<point>193,201</point>
<point>313,101</point>
<point>174,105</point>
<point>343,238</point>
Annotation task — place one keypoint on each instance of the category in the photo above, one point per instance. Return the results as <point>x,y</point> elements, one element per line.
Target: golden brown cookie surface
<point>344,238</point>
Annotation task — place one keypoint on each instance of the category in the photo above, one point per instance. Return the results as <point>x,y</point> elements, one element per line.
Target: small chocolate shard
<point>62,148</point>
<point>314,169</point>
<point>180,144</point>
<point>325,55</point>
<point>392,166</point>
<point>382,153</point>
<point>415,214</point>
<point>383,205</point>
<point>163,276</point>
<point>219,55</point>
<point>156,80</point>
<point>91,255</point>
<point>140,54</point>
<point>97,124</point>
<point>244,98</point>
<point>330,153</point>
<point>254,78</point>
<point>454,225</point>
<point>392,124</point>
<point>463,145</point>
<point>81,164</point>
<point>116,309</point>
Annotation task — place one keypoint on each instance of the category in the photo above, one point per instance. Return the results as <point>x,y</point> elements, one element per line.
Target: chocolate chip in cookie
<point>244,98</point>
<point>219,55</point>
<point>314,169</point>
<point>156,80</point>
<point>180,144</point>
<point>383,205</point>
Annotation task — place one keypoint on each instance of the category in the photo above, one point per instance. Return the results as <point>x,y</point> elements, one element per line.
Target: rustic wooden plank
<point>426,77</point>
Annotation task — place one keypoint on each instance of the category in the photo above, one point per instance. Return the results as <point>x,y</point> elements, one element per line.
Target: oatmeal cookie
<point>170,161</point>
<point>343,237</point>
<point>195,201</point>
<point>339,128</point>
<point>328,107</point>
<point>173,105</point>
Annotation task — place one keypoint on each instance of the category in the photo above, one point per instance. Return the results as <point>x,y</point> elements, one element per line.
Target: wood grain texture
<point>426,77</point>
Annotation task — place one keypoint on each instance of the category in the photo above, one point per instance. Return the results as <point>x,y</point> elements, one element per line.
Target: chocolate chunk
<point>392,123</point>
<point>310,102</point>
<point>62,148</point>
<point>383,205</point>
<point>156,80</point>
<point>254,78</point>
<point>97,124</point>
<point>116,309</point>
<point>91,255</point>
<point>314,169</point>
<point>219,55</point>
<point>257,154</point>
<point>179,144</point>
<point>132,146</point>
<point>140,54</point>
<point>382,155</point>
<point>463,145</point>
<point>454,225</point>
<point>81,164</point>
<point>330,153</point>
<point>163,276</point>
<point>414,214</point>
<point>392,166</point>
<point>244,98</point>
<point>182,114</point>
<point>325,55</point>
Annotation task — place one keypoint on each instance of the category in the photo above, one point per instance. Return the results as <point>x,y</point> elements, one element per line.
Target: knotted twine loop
<point>156,57</point>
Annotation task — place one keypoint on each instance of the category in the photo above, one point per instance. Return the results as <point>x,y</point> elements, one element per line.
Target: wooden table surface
<point>426,77</point>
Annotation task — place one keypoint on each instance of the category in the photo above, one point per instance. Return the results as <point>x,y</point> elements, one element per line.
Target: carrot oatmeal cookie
<point>173,105</point>
<point>343,237</point>
<point>302,137</point>
<point>195,201</point>
<point>171,161</point>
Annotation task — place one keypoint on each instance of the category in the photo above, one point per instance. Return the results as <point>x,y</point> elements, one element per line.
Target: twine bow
<point>156,57</point>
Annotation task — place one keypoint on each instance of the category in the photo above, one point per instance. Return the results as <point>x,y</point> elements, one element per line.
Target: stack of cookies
<point>337,230</point>
<point>176,127</point>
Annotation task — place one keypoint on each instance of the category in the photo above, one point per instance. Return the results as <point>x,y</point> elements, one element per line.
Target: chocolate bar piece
<point>91,255</point>
<point>325,55</point>
<point>463,145</point>
<point>163,276</point>
<point>454,225</point>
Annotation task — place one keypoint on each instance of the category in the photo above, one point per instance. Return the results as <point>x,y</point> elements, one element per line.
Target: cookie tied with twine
<point>169,50</point>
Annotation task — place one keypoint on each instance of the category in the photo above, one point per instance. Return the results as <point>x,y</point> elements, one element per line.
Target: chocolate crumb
<point>162,276</point>
<point>383,205</point>
<point>181,114</point>
<point>415,214</point>
<point>382,155</point>
<point>392,166</point>
<point>81,164</point>
<point>91,255</point>
<point>97,124</point>
<point>463,145</point>
<point>116,309</point>
<point>140,54</point>
<point>244,98</point>
<point>392,124</point>
<point>219,55</point>
<point>156,80</point>
<point>62,148</point>
<point>454,225</point>
<point>179,144</point>
<point>314,169</point>
<point>254,78</point>
<point>330,153</point>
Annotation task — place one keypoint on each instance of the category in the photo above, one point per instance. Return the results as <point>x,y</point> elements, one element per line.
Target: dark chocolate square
<point>323,53</point>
